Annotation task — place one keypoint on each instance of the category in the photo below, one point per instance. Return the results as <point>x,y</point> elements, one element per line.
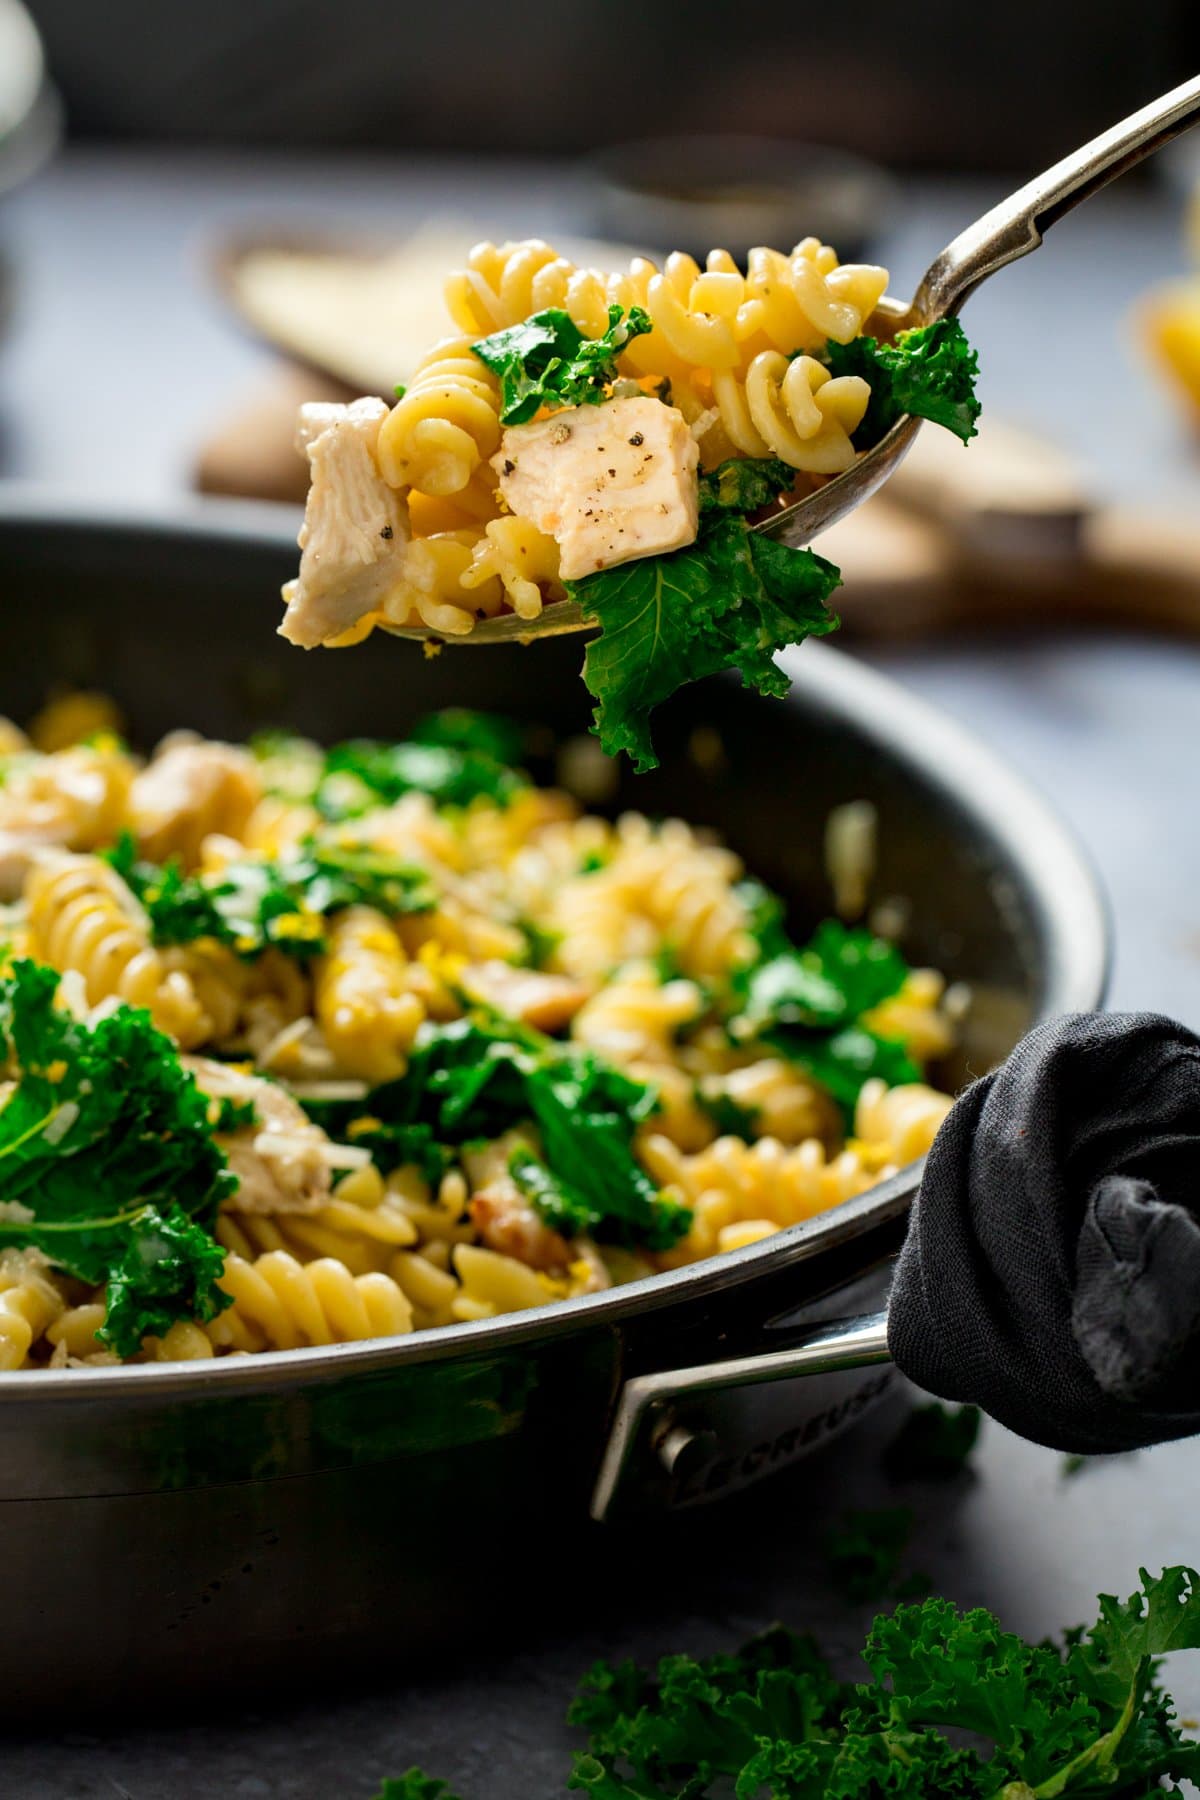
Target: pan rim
<point>1061,884</point>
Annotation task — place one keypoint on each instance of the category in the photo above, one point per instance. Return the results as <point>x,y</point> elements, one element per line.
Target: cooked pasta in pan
<point>308,1046</point>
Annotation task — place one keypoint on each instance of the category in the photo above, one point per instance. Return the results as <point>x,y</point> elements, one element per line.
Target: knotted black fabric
<point>1051,1271</point>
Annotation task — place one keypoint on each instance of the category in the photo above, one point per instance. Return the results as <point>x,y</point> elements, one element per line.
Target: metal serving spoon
<point>1009,231</point>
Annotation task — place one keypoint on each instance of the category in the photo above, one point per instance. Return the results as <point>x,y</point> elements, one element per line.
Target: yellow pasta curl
<point>69,717</point>
<point>733,1185</point>
<point>523,559</point>
<point>663,887</point>
<point>794,410</point>
<point>715,318</point>
<point>281,1304</point>
<point>440,586</point>
<point>899,1122</point>
<point>445,424</point>
<point>83,917</point>
<point>363,999</point>
<point>184,1341</point>
<point>362,1225</point>
<point>73,1334</point>
<point>914,1016</point>
<point>632,1020</point>
<point>30,1301</point>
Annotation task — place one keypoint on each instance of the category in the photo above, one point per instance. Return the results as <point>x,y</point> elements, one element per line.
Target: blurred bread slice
<point>253,453</point>
<point>363,317</point>
<point>1007,495</point>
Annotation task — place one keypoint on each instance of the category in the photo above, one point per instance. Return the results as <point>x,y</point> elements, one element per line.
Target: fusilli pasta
<point>375,1189</point>
<point>82,917</point>
<point>281,1304</point>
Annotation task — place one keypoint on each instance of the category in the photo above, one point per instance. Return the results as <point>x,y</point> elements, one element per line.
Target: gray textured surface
<point>118,363</point>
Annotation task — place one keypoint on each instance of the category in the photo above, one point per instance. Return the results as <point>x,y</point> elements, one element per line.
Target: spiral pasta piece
<point>662,888</point>
<point>794,410</point>
<point>281,1304</point>
<point>83,917</point>
<point>360,1223</point>
<point>900,1122</point>
<point>914,1016</point>
<point>73,1335</point>
<point>502,284</point>
<point>30,1302</point>
<point>445,424</point>
<point>184,1341</point>
<point>362,996</point>
<point>739,1192</point>
<point>440,585</point>
<point>522,559</point>
<point>780,1101</point>
<point>715,318</point>
<point>633,1019</point>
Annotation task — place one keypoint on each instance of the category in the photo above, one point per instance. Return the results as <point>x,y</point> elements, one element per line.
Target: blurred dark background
<point>937,84</point>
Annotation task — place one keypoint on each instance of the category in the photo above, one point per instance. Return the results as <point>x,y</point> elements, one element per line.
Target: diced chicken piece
<point>502,1215</point>
<point>190,791</point>
<point>609,482</point>
<point>19,850</point>
<point>281,1161</point>
<point>547,1002</point>
<point>355,529</point>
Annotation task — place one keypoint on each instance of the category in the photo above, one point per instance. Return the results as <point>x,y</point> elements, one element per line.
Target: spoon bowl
<point>1009,231</point>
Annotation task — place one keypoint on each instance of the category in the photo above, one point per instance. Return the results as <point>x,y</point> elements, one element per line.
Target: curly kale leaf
<point>744,484</point>
<point>253,903</point>
<point>475,1077</point>
<point>865,1551</point>
<point>368,772</point>
<point>472,732</point>
<point>108,1162</point>
<point>928,372</point>
<point>414,1784</point>
<point>730,600</point>
<point>771,1722</point>
<point>810,1002</point>
<point>553,1201</point>
<point>547,361</point>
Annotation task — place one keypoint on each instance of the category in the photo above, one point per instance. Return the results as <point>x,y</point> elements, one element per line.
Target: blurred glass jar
<point>30,110</point>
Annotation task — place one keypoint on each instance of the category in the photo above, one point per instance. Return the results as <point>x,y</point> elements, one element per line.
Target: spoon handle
<point>1016,226</point>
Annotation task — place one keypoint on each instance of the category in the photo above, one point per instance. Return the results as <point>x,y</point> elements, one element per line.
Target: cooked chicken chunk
<point>547,1002</point>
<point>502,1215</point>
<point>189,791</point>
<point>355,527</point>
<point>280,1161</point>
<point>609,482</point>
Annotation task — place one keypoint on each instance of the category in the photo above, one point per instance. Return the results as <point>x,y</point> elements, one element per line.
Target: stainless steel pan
<point>256,1520</point>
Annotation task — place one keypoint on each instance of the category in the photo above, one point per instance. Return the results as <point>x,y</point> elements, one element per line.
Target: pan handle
<point>647,1420</point>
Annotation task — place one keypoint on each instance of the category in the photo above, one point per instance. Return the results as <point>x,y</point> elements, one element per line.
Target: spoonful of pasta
<point>648,454</point>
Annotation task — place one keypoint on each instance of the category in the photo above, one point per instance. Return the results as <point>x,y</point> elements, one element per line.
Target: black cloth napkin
<point>1051,1271</point>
